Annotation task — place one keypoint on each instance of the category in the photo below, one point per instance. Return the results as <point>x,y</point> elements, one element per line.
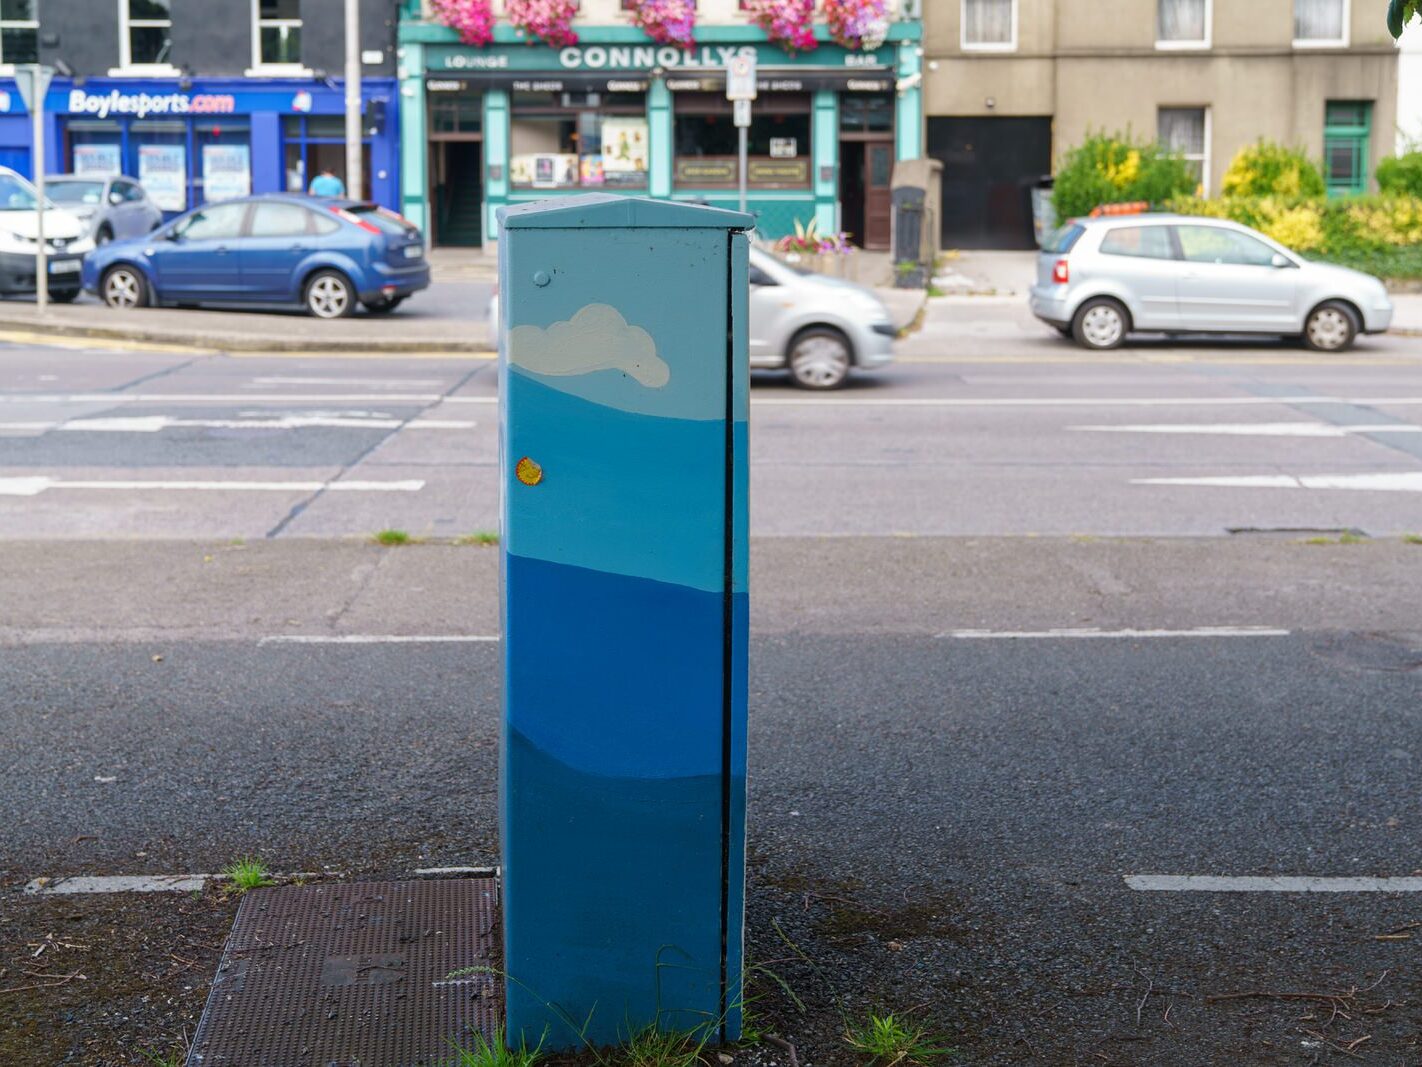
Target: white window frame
<point>260,69</point>
<point>1188,46</point>
<point>127,68</point>
<point>1203,157</point>
<point>1339,42</point>
<point>6,66</point>
<point>992,46</point>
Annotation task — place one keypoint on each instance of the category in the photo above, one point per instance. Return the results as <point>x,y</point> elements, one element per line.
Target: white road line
<point>1092,633</point>
<point>157,423</point>
<point>405,382</point>
<point>1256,429</point>
<point>1389,482</point>
<point>120,883</point>
<point>1204,883</point>
<point>33,486</point>
<point>224,398</point>
<point>378,639</point>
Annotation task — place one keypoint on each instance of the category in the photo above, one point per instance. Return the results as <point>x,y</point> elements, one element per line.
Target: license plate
<point>414,251</point>
<point>64,266</point>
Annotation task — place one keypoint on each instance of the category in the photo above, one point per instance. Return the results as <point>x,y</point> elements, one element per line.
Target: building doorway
<point>989,168</point>
<point>866,171</point>
<point>456,192</point>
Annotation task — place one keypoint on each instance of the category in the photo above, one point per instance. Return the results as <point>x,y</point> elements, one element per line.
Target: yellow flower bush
<point>1268,169</point>
<point>1389,220</point>
<point>1123,173</point>
<point>1298,226</point>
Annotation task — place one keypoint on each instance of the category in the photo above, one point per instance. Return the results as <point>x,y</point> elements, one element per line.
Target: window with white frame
<point>990,24</point>
<point>19,32</point>
<point>146,32</point>
<point>277,34</point>
<point>1182,23</point>
<point>1185,131</point>
<point>1320,23</point>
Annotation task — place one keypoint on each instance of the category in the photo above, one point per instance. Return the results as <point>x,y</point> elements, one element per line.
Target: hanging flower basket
<point>473,20</point>
<point>788,23</point>
<point>860,24</point>
<point>551,21</point>
<point>667,21</point>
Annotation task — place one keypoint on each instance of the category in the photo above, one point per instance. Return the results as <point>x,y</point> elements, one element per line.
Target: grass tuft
<point>888,1040</point>
<point>392,537</point>
<point>496,1053</point>
<point>172,1059</point>
<point>246,873</point>
<point>1412,539</point>
<point>478,537</point>
<point>653,1047</point>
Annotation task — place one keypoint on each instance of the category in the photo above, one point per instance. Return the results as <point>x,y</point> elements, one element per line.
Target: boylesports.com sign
<point>141,105</point>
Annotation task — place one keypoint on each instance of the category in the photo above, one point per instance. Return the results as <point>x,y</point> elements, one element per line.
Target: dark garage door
<point>989,167</point>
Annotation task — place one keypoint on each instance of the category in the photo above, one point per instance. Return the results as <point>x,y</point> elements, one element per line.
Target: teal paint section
<point>659,137</point>
<point>908,106</point>
<point>496,158</point>
<point>622,785</point>
<point>414,153</point>
<point>825,138</point>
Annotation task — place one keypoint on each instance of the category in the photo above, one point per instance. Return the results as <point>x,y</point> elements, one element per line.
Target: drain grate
<point>354,976</point>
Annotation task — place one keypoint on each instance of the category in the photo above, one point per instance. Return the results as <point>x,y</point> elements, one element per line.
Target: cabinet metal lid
<point>605,211</point>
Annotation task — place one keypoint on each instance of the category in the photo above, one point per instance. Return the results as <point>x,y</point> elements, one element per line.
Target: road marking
<point>1395,482</point>
<point>157,423</point>
<point>100,344</point>
<point>1076,401</point>
<point>120,883</point>
<point>33,486</point>
<point>1093,633</point>
<point>406,382</point>
<point>1256,429</point>
<point>1204,883</point>
<point>378,639</point>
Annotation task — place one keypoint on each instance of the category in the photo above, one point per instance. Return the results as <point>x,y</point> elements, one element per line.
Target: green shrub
<point>1401,175</point>
<point>1113,169</point>
<point>1269,169</point>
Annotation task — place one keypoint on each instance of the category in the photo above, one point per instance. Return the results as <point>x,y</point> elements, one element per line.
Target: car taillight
<point>351,216</point>
<point>1061,273</point>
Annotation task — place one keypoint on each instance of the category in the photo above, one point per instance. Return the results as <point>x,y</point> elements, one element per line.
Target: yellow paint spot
<point>528,472</point>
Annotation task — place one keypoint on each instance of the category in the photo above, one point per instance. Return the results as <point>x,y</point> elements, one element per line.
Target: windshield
<point>75,192</point>
<point>16,194</point>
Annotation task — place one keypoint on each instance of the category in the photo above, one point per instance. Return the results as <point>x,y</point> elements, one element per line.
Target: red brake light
<point>351,216</point>
<point>1061,273</point>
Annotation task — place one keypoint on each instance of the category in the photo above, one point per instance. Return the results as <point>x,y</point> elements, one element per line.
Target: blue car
<point>325,255</point>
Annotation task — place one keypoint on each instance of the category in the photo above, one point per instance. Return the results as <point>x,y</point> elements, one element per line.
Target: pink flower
<point>667,21</point>
<point>789,23</point>
<point>860,24</point>
<point>548,20</point>
<point>473,20</point>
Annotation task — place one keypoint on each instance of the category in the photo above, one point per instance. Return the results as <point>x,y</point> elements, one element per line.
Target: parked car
<point>1100,279</point>
<point>280,250</point>
<point>816,327</point>
<point>64,238</point>
<point>113,208</point>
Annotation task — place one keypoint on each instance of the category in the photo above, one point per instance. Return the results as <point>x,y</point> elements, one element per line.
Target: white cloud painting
<point>596,338</point>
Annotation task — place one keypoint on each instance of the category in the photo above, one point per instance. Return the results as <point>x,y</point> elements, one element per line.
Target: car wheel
<point>820,359</point>
<point>1101,324</point>
<point>104,236</point>
<point>384,307</point>
<point>124,287</point>
<point>1331,327</point>
<point>329,295</point>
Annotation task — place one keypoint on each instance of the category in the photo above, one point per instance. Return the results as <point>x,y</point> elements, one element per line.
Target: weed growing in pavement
<point>654,1047</point>
<point>478,537</point>
<point>392,537</point>
<point>496,1053</point>
<point>246,873</point>
<point>1347,537</point>
<point>1412,539</point>
<point>172,1059</point>
<point>888,1040</point>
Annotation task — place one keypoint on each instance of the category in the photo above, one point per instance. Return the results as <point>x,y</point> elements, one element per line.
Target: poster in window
<point>783,147</point>
<point>624,150</point>
<point>162,169</point>
<point>226,171</point>
<point>590,170</point>
<point>96,160</point>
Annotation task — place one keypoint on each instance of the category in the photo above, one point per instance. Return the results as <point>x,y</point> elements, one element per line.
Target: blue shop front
<point>192,141</point>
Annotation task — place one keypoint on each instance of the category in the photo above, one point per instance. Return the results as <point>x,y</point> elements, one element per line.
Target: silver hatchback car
<point>111,207</point>
<point>1100,279</point>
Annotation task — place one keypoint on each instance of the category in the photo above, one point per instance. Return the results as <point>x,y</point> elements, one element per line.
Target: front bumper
<point>17,272</point>
<point>1378,318</point>
<point>395,281</point>
<point>874,345</point>
<point>1049,304</point>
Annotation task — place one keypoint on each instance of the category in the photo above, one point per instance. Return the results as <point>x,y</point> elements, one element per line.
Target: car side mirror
<point>1281,260</point>
<point>116,198</point>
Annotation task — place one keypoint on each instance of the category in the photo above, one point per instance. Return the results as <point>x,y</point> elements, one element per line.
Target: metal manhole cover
<point>354,976</point>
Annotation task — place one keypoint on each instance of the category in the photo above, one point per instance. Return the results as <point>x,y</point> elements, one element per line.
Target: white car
<point>1100,279</point>
<point>66,241</point>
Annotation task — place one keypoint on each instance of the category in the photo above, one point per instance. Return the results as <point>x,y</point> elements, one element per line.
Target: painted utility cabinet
<point>623,377</point>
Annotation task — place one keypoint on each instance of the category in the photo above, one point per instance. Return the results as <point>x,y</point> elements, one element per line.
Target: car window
<point>1144,242</point>
<point>385,221</point>
<point>131,193</point>
<point>75,192</point>
<point>325,224</point>
<point>212,223</point>
<point>274,218</point>
<point>1214,244</point>
<point>1064,239</point>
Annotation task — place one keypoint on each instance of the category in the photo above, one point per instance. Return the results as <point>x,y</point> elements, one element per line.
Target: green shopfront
<point>511,122</point>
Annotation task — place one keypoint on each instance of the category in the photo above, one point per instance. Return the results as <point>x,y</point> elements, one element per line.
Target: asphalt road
<point>943,817</point>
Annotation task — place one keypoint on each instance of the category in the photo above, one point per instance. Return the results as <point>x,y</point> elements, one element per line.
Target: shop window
<point>990,25</point>
<point>1320,23</point>
<point>277,33</point>
<point>1347,131</point>
<point>146,36</point>
<point>94,147</point>
<point>313,144</point>
<point>870,113</point>
<point>224,161</point>
<point>19,31</point>
<point>778,142</point>
<point>456,112</point>
<point>569,140</point>
<point>1185,131</point>
<point>1182,24</point>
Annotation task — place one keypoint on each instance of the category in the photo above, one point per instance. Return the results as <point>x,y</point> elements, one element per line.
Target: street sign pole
<point>355,182</point>
<point>32,90</point>
<point>740,89</point>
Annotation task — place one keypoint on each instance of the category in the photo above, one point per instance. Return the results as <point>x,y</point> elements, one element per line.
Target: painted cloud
<point>596,338</point>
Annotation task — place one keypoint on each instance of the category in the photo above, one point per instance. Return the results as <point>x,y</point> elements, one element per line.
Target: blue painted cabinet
<point>624,404</point>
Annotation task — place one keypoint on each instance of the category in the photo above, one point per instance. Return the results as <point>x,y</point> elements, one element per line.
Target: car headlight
<point>15,243</point>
